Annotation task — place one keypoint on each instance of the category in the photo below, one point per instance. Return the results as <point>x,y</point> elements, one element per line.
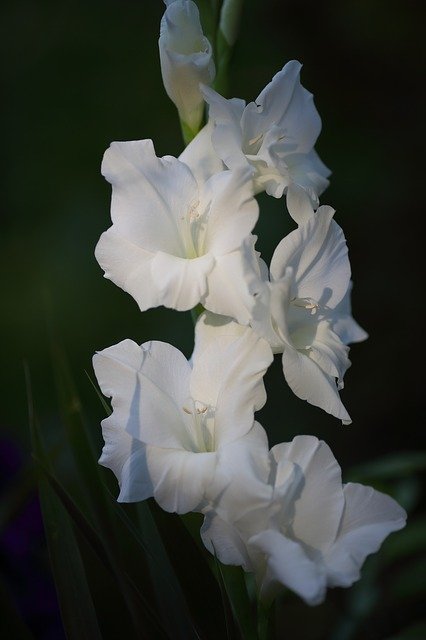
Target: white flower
<point>296,310</point>
<point>311,532</point>
<point>171,419</point>
<point>344,324</point>
<point>275,135</point>
<point>186,60</point>
<point>199,155</point>
<point>174,241</point>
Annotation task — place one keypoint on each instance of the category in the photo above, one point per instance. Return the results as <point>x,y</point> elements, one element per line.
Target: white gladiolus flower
<point>186,60</point>
<point>302,529</point>
<point>344,324</point>
<point>174,241</point>
<point>172,420</point>
<point>298,309</point>
<point>275,135</point>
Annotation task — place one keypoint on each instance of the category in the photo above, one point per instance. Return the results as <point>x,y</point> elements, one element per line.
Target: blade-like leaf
<point>229,618</point>
<point>75,600</point>
<point>170,597</point>
<point>130,589</point>
<point>390,467</point>
<point>409,541</point>
<point>195,577</point>
<point>241,606</point>
<point>102,400</point>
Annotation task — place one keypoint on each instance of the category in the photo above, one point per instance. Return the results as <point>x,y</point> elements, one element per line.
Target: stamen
<point>193,213</point>
<point>306,303</point>
<point>256,139</point>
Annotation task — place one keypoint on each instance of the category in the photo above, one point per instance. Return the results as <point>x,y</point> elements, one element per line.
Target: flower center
<point>192,228</point>
<point>200,425</point>
<point>306,303</point>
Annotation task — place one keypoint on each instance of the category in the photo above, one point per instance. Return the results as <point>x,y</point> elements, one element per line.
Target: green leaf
<point>171,601</point>
<point>75,600</point>
<point>390,467</point>
<point>409,541</point>
<point>143,614</point>
<point>102,400</point>
<point>122,547</point>
<point>194,574</point>
<point>236,589</point>
<point>229,617</point>
<point>137,600</point>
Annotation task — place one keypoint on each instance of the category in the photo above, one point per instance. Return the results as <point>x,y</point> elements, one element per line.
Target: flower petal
<point>318,254</point>
<point>319,500</point>
<point>179,478</point>
<point>224,541</point>
<point>200,155</point>
<point>233,210</point>
<point>287,564</point>
<point>125,456</point>
<point>181,283</point>
<point>299,204</point>
<point>230,296</point>
<point>227,136</point>
<point>149,386</point>
<point>228,374</point>
<point>369,517</point>
<point>128,266</point>
<point>150,195</point>
<point>287,104</point>
<point>348,330</point>
<point>309,382</point>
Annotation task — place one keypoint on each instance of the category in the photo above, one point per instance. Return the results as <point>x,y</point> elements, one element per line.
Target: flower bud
<point>186,60</point>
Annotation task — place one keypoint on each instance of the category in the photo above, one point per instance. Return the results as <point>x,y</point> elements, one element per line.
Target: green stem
<point>188,134</point>
<point>230,17</point>
<point>265,621</point>
<point>196,312</point>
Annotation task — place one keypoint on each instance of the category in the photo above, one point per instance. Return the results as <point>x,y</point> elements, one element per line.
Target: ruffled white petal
<point>200,155</point>
<point>318,254</point>
<point>233,211</point>
<point>299,204</point>
<point>319,500</point>
<point>179,478</point>
<point>181,283</point>
<point>309,382</point>
<point>227,137</point>
<point>346,327</point>
<point>150,197</point>
<point>126,457</point>
<point>288,564</point>
<point>149,386</point>
<point>230,296</point>
<point>128,266</point>
<point>369,517</point>
<point>287,104</point>
<point>224,541</point>
<point>228,372</point>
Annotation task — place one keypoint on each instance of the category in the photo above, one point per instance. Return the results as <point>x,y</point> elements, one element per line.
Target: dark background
<point>78,75</point>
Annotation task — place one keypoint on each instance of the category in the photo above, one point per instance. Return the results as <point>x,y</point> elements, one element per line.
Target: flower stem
<point>227,33</point>
<point>196,312</point>
<point>265,621</point>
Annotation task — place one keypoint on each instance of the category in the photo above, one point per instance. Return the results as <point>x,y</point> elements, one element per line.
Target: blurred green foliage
<point>77,75</point>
